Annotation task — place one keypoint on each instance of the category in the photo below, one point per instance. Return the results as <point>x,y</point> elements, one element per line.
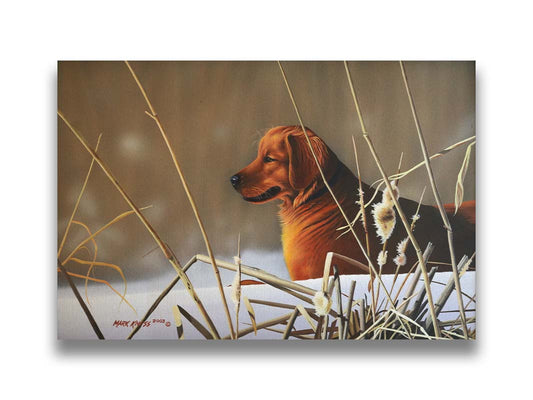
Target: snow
<point>116,320</point>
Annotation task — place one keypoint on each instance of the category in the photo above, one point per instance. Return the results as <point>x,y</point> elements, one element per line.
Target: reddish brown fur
<point>310,217</point>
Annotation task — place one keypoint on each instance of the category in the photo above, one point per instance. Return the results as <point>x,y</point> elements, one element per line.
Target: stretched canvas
<point>294,200</point>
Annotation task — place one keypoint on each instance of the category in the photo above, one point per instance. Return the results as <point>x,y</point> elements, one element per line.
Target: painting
<point>266,200</point>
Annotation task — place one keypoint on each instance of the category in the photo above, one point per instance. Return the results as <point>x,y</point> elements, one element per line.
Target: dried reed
<point>396,203</point>
<point>152,114</point>
<point>439,204</point>
<point>370,263</point>
<point>78,199</point>
<point>90,317</point>
<point>173,261</point>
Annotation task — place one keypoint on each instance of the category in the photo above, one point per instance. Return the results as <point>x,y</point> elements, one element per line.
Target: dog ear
<point>302,165</point>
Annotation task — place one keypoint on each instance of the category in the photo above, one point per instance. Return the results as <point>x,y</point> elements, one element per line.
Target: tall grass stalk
<point>168,254</point>
<point>160,298</point>
<point>103,228</point>
<point>78,200</point>
<point>90,317</point>
<point>362,211</point>
<point>152,114</point>
<point>406,224</point>
<point>370,263</point>
<point>443,214</point>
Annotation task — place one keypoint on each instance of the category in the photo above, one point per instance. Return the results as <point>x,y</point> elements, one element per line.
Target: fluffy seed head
<point>322,303</point>
<point>384,220</point>
<point>402,246</point>
<point>382,258</point>
<point>387,197</point>
<point>400,260</point>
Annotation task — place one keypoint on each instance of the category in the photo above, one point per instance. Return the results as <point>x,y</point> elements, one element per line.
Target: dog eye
<point>268,159</point>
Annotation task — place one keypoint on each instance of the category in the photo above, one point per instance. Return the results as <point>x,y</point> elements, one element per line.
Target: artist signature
<point>119,323</point>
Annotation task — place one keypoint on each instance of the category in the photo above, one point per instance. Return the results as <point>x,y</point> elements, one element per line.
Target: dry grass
<point>406,311</point>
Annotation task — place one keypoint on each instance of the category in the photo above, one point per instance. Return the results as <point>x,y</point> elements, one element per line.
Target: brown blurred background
<point>215,114</point>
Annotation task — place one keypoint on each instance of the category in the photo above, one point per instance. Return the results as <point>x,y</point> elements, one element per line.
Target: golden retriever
<point>286,170</point>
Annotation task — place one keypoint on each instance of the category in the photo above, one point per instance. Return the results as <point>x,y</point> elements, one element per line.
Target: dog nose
<point>235,180</point>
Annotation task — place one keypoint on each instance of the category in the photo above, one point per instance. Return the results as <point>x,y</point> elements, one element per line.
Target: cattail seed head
<point>382,258</point>
<point>400,260</point>
<point>387,197</point>
<point>322,303</point>
<point>402,246</point>
<point>384,214</point>
<point>384,220</point>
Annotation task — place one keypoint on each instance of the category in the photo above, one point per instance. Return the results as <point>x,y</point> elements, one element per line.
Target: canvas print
<point>253,200</point>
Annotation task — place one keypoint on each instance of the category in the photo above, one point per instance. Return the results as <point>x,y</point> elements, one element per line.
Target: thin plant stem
<point>365,223</point>
<point>349,313</point>
<point>155,117</point>
<point>441,302</point>
<point>340,318</point>
<point>370,263</point>
<point>412,229</point>
<point>288,329</point>
<point>396,203</point>
<point>270,279</point>
<point>422,163</point>
<point>78,200</point>
<point>415,217</point>
<point>238,282</point>
<point>92,236</point>
<point>387,240</point>
<point>439,203</point>
<point>361,198</point>
<point>90,317</point>
<point>94,256</point>
<point>160,298</point>
<point>122,298</point>
<point>263,325</point>
<point>164,248</point>
<point>380,181</point>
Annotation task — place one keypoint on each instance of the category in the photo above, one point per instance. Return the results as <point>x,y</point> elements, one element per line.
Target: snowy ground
<point>116,321</point>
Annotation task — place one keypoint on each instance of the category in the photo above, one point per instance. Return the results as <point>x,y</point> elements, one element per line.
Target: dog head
<point>285,167</point>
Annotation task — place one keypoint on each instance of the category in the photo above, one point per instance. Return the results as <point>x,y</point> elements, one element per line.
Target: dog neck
<point>323,190</point>
<point>315,195</point>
